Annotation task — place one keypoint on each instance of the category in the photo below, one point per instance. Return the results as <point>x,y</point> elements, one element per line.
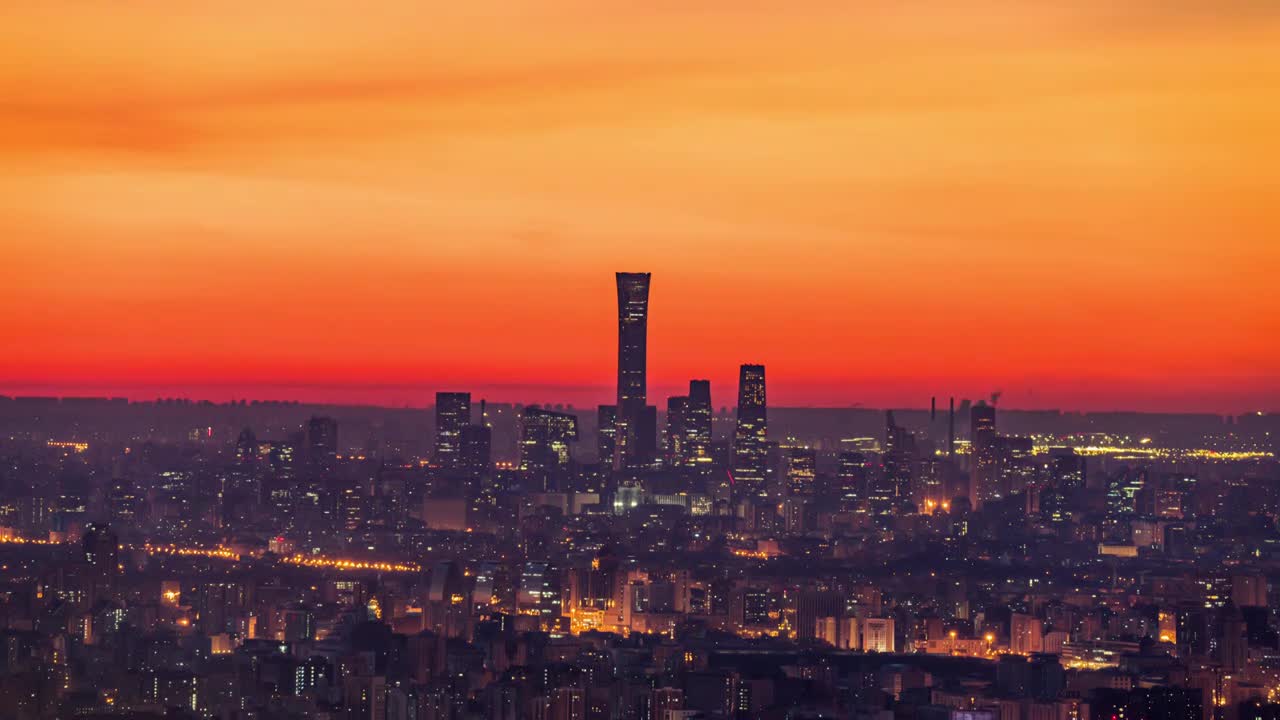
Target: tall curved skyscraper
<point>633,324</point>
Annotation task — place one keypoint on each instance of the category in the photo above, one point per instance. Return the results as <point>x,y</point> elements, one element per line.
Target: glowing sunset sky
<point>1077,203</point>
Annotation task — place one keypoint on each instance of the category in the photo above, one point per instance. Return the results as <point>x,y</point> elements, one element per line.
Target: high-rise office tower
<point>697,420</point>
<point>322,444</point>
<point>540,590</point>
<point>899,458</point>
<point>606,433</point>
<point>750,438</point>
<point>633,322</point>
<point>351,507</point>
<point>101,550</point>
<point>477,449</point>
<point>1124,492</point>
<point>802,471</point>
<point>453,412</point>
<point>851,479</point>
<point>477,446</point>
<point>929,474</point>
<point>899,454</point>
<point>677,436</point>
<point>983,455</point>
<point>544,446</point>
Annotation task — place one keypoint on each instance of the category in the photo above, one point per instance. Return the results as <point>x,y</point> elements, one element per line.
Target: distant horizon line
<point>941,409</point>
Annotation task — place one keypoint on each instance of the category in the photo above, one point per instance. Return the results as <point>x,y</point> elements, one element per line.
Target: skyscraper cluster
<point>628,431</point>
<point>689,434</point>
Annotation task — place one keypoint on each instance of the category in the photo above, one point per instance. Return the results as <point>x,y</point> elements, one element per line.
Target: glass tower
<point>633,322</point>
<point>750,444</point>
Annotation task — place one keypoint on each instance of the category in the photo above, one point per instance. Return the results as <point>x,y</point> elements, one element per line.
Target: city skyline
<point>631,389</point>
<point>881,203</point>
<point>527,360</point>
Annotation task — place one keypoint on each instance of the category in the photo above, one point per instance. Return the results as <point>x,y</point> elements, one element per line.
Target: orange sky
<point>1076,203</point>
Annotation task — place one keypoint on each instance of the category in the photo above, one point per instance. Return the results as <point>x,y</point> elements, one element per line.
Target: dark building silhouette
<point>101,549</point>
<point>544,446</point>
<point>1067,469</point>
<point>477,445</point>
<point>606,433</point>
<point>1125,490</point>
<point>675,451</point>
<point>322,443</point>
<point>851,479</point>
<point>123,502</point>
<point>633,322</point>
<point>1233,647</point>
<point>1046,677</point>
<point>750,438</point>
<point>893,485</point>
<point>101,552</point>
<point>812,605</point>
<point>477,449</point>
<point>453,413</point>
<point>1164,703</point>
<point>646,436</point>
<point>801,471</point>
<point>984,459</point>
<point>698,414</point>
<point>246,446</point>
